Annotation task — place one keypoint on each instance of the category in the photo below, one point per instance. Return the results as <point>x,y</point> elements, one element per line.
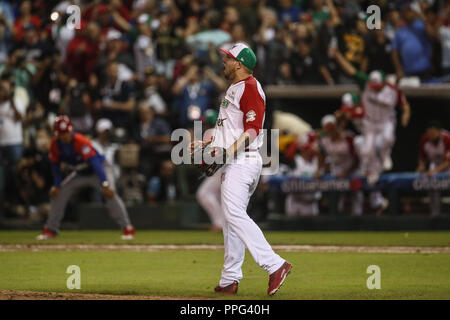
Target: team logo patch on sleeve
<point>85,150</point>
<point>250,116</point>
<point>225,103</point>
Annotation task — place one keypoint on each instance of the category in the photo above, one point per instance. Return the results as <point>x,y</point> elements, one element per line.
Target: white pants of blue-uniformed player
<point>238,183</point>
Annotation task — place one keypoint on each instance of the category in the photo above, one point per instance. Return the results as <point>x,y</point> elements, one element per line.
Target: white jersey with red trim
<point>340,154</point>
<point>379,106</point>
<point>242,109</point>
<point>435,153</point>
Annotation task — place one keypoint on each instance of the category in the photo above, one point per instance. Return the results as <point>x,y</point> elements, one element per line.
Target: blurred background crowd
<point>137,69</point>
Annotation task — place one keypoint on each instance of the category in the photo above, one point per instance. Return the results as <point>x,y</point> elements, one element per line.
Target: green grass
<point>434,238</point>
<point>195,273</point>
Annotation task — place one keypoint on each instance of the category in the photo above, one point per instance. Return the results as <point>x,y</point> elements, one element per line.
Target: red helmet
<point>62,124</point>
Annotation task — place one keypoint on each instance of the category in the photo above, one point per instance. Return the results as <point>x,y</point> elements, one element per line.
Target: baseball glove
<point>215,158</point>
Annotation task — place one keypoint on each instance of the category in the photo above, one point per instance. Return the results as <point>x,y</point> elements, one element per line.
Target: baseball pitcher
<point>237,138</point>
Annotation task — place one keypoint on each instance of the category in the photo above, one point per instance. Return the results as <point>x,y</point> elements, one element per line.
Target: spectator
<point>211,34</point>
<point>263,40</point>
<point>144,47</point>
<point>34,177</point>
<point>25,17</point>
<point>102,143</point>
<point>5,38</point>
<point>50,83</point>
<point>238,33</point>
<point>11,140</point>
<point>378,50</point>
<point>150,95</point>
<point>196,90</point>
<point>230,18</point>
<point>82,52</point>
<point>7,12</point>
<point>117,98</point>
<point>444,34</point>
<point>285,76</point>
<point>351,44</point>
<point>61,33</point>
<point>11,115</point>
<point>163,187</point>
<point>19,70</point>
<point>76,106</point>
<point>288,11</point>
<point>35,49</point>
<point>153,135</point>
<point>248,15</point>
<point>411,47</point>
<point>306,65</point>
<point>115,51</point>
<point>166,40</point>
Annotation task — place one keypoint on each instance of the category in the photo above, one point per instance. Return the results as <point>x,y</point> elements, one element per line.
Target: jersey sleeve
<point>361,78</point>
<point>422,153</point>
<point>54,152</point>
<point>83,147</point>
<point>253,106</point>
<point>401,98</point>
<point>358,112</point>
<point>350,141</point>
<point>447,147</point>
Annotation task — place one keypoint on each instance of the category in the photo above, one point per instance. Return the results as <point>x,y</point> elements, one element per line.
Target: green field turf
<point>435,238</point>
<point>195,273</point>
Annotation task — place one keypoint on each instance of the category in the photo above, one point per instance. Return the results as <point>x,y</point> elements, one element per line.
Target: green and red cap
<point>242,53</point>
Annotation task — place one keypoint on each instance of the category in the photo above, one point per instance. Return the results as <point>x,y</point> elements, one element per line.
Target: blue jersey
<point>79,155</point>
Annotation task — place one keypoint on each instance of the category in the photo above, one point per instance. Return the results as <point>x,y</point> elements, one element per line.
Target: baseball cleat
<point>128,233</point>
<point>276,279</point>
<point>230,289</point>
<point>46,234</point>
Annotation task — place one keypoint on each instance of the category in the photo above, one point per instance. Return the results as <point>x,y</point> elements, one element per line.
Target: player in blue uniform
<point>76,153</point>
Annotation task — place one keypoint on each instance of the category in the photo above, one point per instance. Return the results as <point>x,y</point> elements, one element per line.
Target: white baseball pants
<point>208,196</point>
<point>378,141</point>
<point>239,182</point>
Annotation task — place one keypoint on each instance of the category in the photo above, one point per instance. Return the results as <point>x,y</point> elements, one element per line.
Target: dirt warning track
<point>147,248</point>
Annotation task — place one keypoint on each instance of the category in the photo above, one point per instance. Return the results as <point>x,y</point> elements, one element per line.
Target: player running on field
<point>237,138</point>
<point>87,169</point>
<point>434,157</point>
<point>380,100</point>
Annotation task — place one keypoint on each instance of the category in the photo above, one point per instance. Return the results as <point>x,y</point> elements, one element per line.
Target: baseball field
<point>187,265</point>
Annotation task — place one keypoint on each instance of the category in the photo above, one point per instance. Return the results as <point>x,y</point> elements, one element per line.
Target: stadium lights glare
<point>54,16</point>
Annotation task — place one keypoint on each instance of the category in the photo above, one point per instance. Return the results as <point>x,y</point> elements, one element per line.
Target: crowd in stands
<point>135,70</point>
